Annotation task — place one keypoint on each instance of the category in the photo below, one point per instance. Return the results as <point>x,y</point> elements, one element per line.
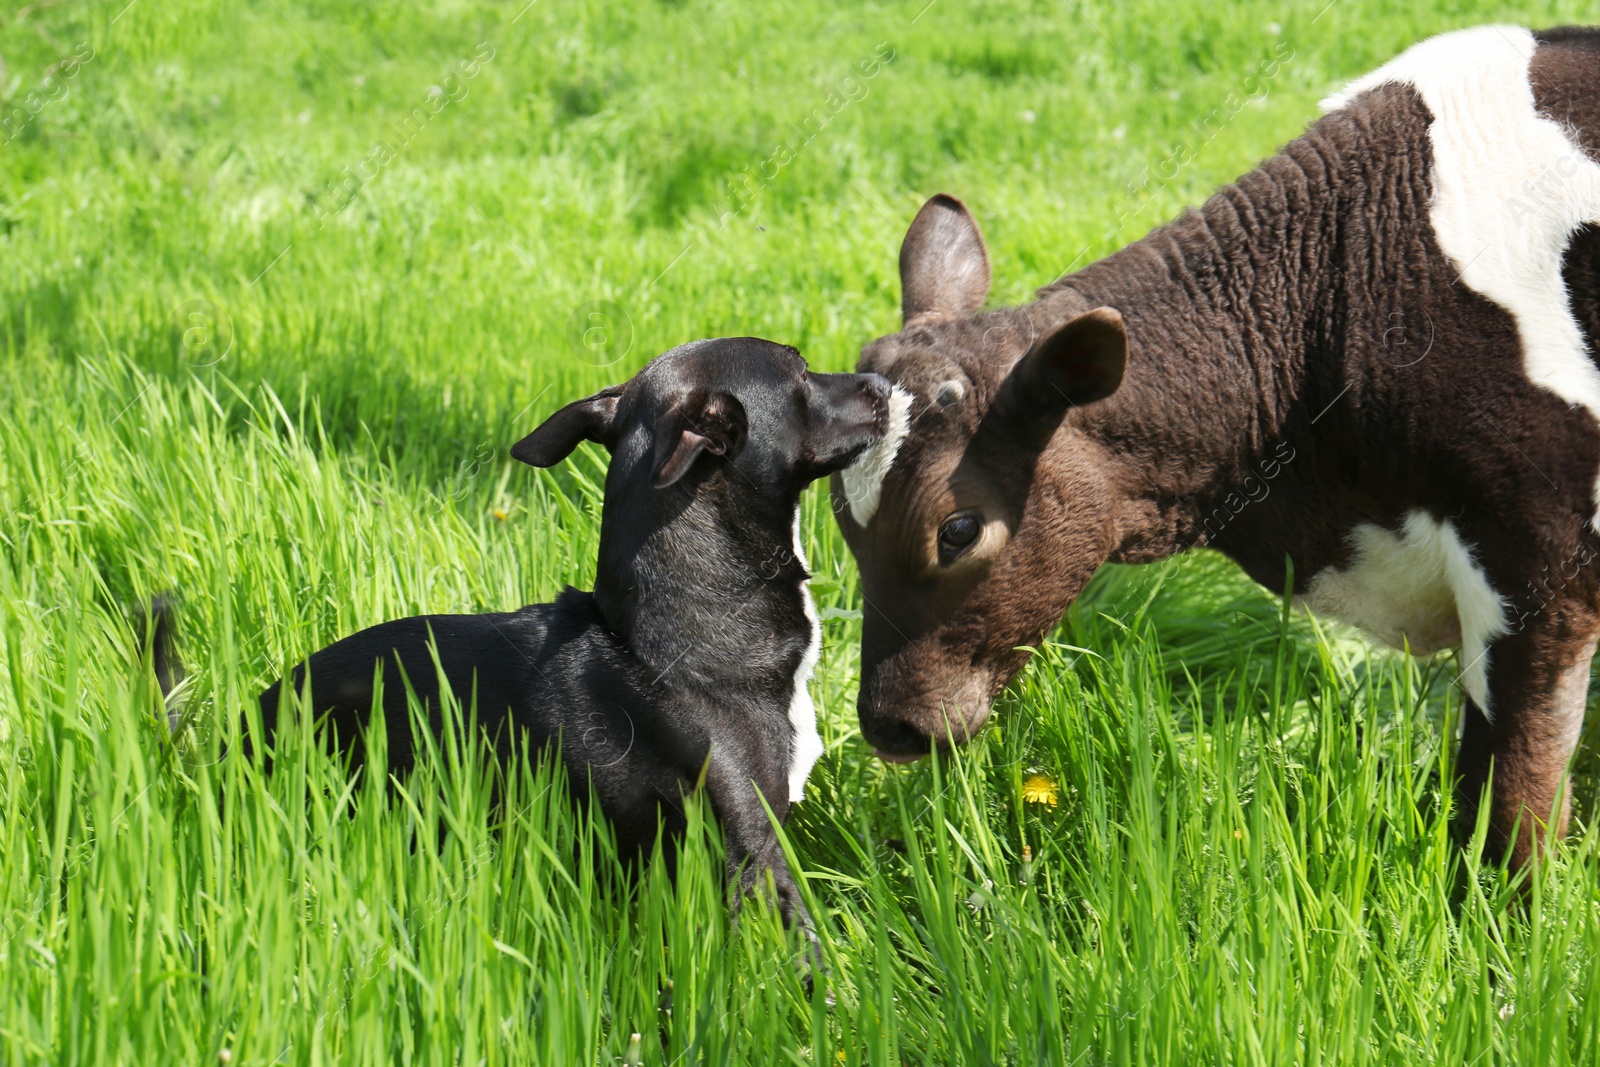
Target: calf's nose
<point>898,742</point>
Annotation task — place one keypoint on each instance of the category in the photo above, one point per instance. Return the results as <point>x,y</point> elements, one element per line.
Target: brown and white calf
<point>1374,356</point>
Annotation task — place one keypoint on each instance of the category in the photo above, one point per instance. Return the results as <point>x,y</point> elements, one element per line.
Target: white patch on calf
<point>1420,587</point>
<point>951,392</point>
<point>1509,190</point>
<point>802,712</point>
<point>863,479</point>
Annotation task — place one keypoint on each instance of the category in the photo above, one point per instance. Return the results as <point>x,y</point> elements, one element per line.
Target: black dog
<point>692,654</point>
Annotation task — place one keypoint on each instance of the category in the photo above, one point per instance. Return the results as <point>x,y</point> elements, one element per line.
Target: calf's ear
<point>944,268</point>
<point>1077,364</point>
<point>589,419</point>
<point>700,423</point>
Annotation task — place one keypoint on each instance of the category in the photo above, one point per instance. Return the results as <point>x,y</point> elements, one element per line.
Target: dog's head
<point>739,409</point>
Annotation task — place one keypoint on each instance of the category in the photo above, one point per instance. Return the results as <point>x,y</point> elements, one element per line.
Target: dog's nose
<point>877,385</point>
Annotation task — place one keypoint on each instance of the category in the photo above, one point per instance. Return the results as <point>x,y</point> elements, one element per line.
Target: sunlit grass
<point>1247,859</point>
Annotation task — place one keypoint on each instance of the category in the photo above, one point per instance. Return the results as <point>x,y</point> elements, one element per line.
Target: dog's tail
<point>159,628</point>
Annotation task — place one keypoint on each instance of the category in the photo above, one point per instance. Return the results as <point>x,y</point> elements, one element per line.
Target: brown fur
<point>1301,329</point>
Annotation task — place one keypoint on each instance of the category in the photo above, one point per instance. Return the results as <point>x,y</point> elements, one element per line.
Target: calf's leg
<point>1538,685</point>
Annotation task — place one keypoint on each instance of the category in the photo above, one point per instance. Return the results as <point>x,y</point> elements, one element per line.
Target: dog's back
<point>542,674</point>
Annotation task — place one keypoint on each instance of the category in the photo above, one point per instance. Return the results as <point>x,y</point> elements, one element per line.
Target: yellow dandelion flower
<point>499,514</point>
<point>1040,789</point>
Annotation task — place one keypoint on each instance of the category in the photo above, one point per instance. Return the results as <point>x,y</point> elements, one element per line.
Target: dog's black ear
<point>702,422</point>
<point>582,420</point>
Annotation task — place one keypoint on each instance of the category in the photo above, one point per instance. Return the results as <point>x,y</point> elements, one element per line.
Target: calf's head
<point>986,510</point>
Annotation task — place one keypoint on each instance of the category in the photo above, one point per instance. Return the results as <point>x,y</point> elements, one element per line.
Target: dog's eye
<point>956,535</point>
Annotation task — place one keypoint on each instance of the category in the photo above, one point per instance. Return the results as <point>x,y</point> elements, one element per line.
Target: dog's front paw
<point>809,962</point>
<point>785,896</point>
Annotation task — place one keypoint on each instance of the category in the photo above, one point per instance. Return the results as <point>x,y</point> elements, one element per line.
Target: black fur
<point>682,662</point>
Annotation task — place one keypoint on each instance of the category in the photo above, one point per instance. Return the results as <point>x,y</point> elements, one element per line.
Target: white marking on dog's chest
<point>863,479</point>
<point>1419,587</point>
<point>1509,190</point>
<point>802,712</point>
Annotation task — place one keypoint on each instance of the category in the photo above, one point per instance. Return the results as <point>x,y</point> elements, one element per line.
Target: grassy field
<point>279,284</point>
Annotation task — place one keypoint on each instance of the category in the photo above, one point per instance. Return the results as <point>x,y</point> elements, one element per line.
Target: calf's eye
<point>957,533</point>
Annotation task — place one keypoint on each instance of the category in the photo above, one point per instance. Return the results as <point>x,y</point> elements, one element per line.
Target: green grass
<point>1249,861</point>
